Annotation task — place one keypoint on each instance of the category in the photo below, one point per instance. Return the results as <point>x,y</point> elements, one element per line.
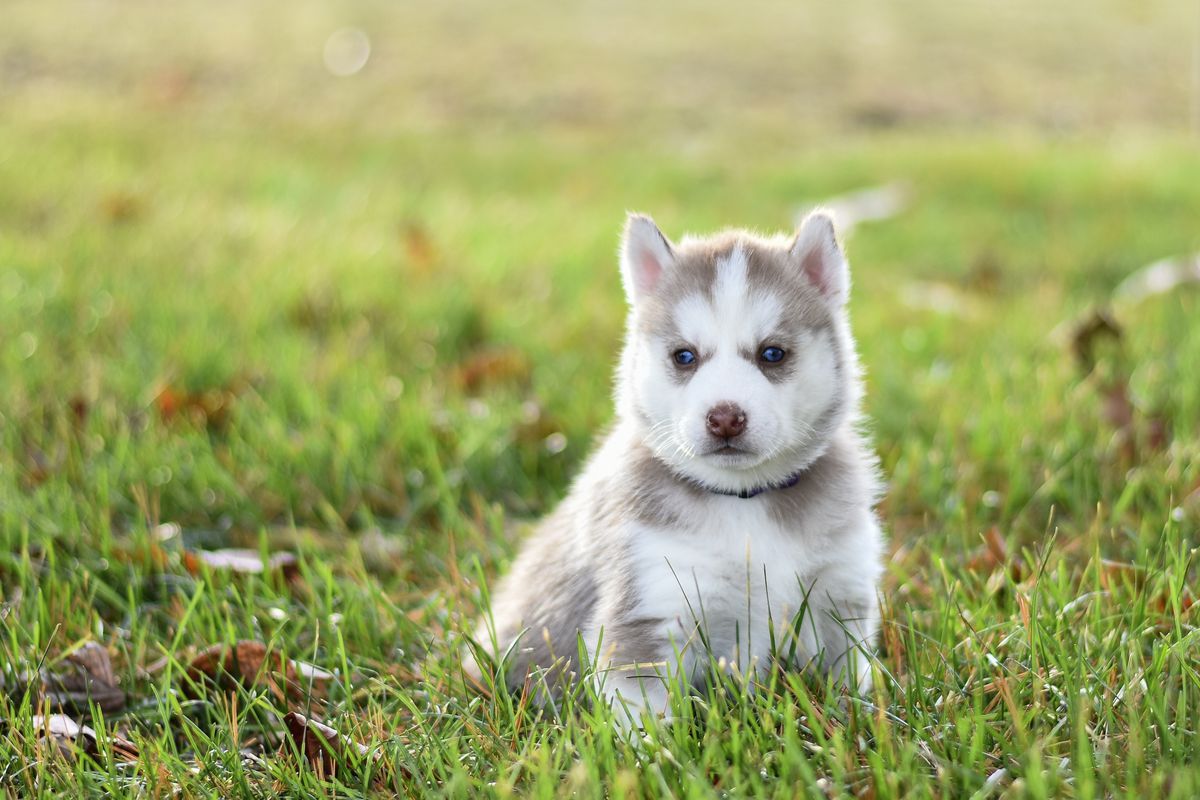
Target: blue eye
<point>685,358</point>
<point>772,355</point>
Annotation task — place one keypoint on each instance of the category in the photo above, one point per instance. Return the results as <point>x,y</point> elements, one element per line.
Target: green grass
<point>389,307</point>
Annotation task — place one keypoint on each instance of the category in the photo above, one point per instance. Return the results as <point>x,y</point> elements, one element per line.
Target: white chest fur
<point>736,583</point>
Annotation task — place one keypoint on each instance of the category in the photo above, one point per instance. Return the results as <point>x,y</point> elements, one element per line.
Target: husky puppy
<point>728,515</point>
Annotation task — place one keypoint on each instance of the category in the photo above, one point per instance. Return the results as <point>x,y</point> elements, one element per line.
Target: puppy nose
<point>726,420</point>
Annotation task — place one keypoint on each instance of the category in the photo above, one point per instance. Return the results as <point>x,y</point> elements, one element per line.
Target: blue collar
<point>746,494</point>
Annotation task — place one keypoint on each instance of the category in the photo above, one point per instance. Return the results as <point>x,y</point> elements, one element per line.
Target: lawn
<point>363,328</point>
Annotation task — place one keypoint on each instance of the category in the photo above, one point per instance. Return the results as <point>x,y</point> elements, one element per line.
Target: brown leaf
<point>491,367</point>
<point>94,658</point>
<point>993,554</point>
<point>146,557</point>
<point>80,408</point>
<point>169,86</point>
<point>1023,605</point>
<point>324,748</point>
<point>1087,333</point>
<point>86,676</point>
<point>997,547</point>
<point>242,561</point>
<point>1117,408</point>
<point>1135,431</point>
<point>319,310</point>
<point>39,466</point>
<point>247,662</point>
<point>1158,433</point>
<point>120,206</point>
<point>251,663</point>
<point>150,670</point>
<point>169,402</point>
<point>1116,573</point>
<point>1164,603</point>
<point>418,245</point>
<point>210,408</point>
<point>985,274</point>
<point>82,679</point>
<point>72,738</point>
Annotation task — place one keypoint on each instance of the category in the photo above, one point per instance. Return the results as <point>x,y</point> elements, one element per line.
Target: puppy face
<point>736,365</point>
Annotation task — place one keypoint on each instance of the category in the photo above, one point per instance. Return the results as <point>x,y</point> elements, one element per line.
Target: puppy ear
<point>645,256</point>
<point>819,255</point>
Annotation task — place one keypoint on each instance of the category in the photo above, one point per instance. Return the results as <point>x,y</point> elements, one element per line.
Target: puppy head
<point>738,363</point>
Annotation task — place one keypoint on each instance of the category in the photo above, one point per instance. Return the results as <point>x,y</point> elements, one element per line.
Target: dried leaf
<point>1026,614</point>
<point>251,663</point>
<point>1087,333</point>
<point>94,658</point>
<point>326,750</point>
<point>418,245</point>
<point>1121,573</point>
<point>993,554</point>
<point>80,408</point>
<point>82,679</point>
<point>39,466</point>
<point>169,86</point>
<point>149,671</point>
<point>318,310</point>
<point>1158,433</point>
<point>86,676</point>
<point>145,557</point>
<point>247,662</point>
<point>1164,603</point>
<point>865,205</point>
<point>997,547</point>
<point>1117,408</point>
<point>120,206</point>
<point>72,738</point>
<point>210,408</point>
<point>311,672</point>
<point>985,274</point>
<point>1135,432</point>
<point>242,561</point>
<point>491,367</point>
<point>1158,278</point>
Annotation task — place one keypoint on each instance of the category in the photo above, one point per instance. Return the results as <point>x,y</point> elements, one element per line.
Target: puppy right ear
<point>645,256</point>
<point>819,255</point>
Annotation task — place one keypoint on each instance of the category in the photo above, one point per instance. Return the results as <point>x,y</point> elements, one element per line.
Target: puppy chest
<point>732,569</point>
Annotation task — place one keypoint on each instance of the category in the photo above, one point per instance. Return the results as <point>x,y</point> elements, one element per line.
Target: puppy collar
<point>746,494</point>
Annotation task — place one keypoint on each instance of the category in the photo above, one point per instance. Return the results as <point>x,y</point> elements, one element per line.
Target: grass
<point>371,322</point>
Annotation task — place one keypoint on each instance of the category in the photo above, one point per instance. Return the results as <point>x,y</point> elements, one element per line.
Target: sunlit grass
<point>387,346</point>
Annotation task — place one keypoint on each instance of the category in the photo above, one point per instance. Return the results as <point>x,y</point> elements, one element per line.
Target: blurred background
<point>352,264</point>
<point>336,282</point>
<point>796,74</point>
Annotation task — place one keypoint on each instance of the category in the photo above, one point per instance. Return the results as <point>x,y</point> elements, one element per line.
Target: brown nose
<point>726,420</point>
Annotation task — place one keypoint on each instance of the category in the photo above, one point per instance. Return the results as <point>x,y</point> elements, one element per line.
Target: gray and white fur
<point>654,558</point>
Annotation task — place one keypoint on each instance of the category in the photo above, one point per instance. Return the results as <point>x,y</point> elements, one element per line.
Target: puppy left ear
<point>819,255</point>
<point>645,255</point>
